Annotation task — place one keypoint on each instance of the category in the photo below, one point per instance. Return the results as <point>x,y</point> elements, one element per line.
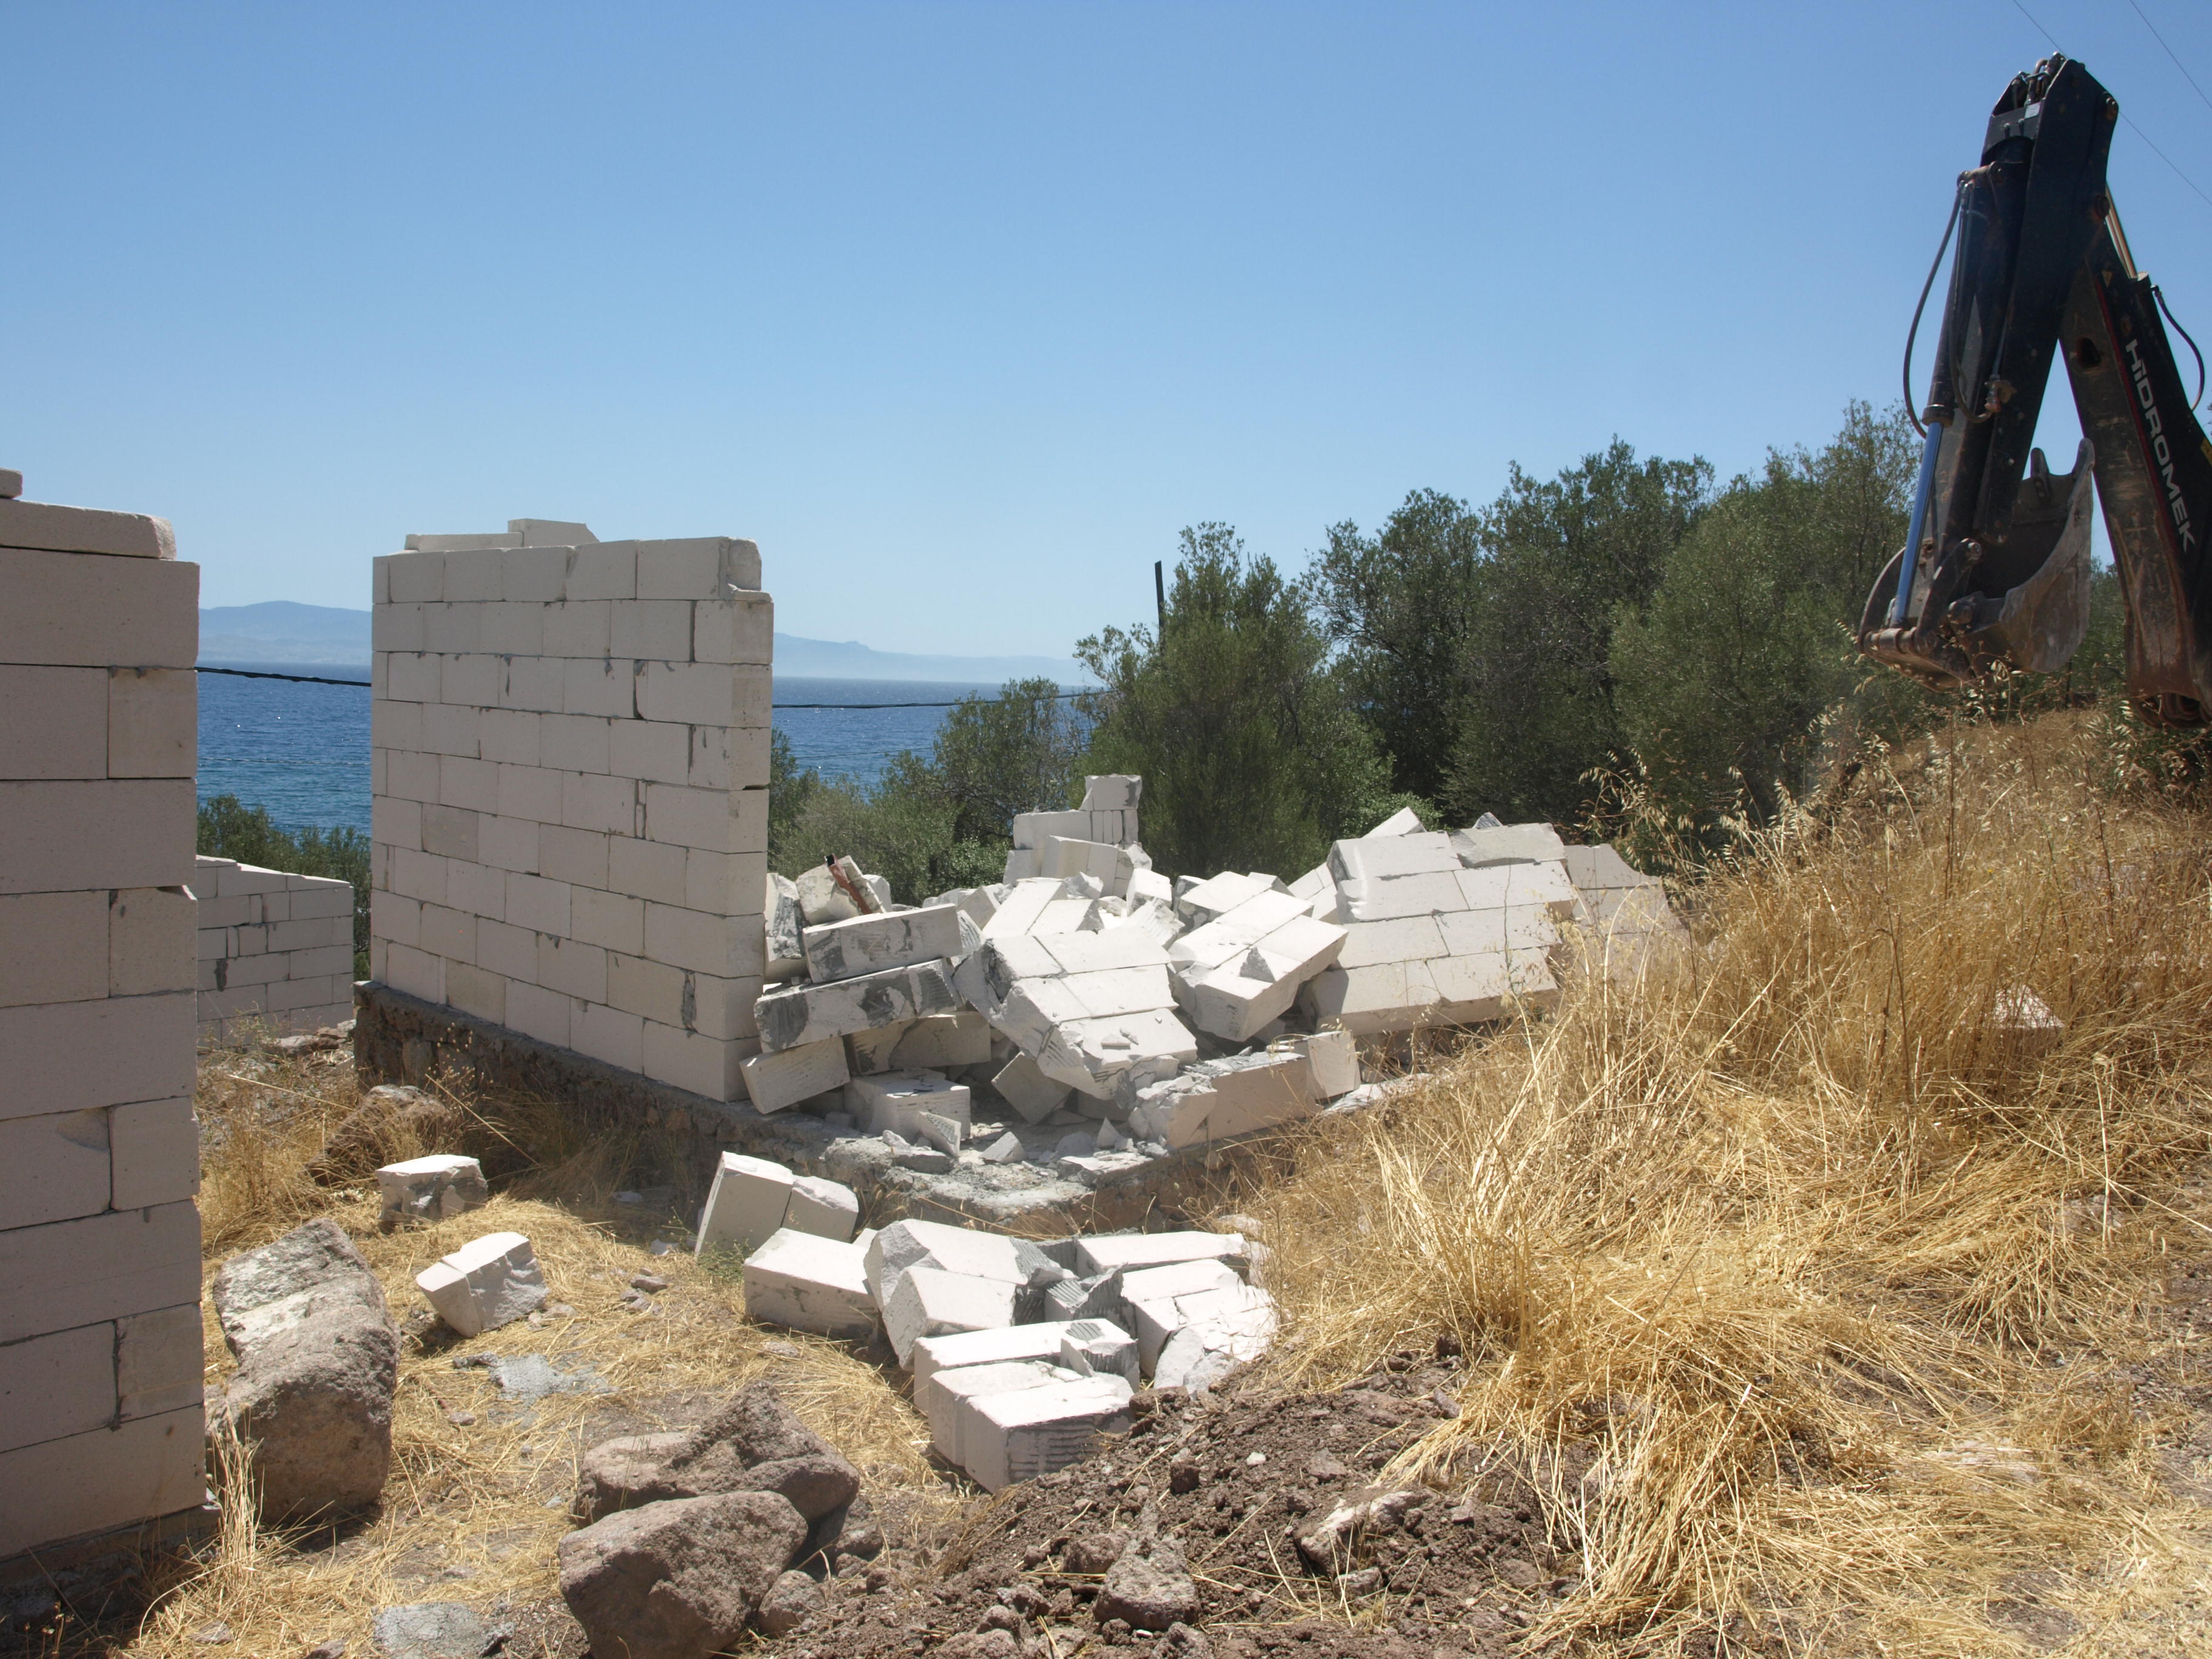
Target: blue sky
<point>963,312</point>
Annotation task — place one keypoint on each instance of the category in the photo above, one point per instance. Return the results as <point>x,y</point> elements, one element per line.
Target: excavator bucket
<point>2025,604</point>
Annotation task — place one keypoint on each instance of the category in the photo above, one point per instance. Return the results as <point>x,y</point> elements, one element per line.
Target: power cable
<point>2170,53</point>
<point>2124,116</point>
<point>317,679</point>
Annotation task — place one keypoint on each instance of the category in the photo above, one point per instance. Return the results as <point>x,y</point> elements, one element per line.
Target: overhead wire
<point>317,679</point>
<point>2170,53</point>
<point>2124,116</point>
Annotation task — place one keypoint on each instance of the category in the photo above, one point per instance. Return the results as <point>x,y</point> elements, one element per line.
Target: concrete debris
<point>809,1013</point>
<point>1076,999</point>
<point>489,1282</point>
<point>809,1283</point>
<point>430,1189</point>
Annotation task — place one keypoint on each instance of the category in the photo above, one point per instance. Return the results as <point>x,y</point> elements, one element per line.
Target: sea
<point>302,751</point>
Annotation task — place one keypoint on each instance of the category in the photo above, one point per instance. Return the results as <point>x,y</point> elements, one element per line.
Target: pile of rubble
<point>1088,1014</point>
<point>1021,1349</point>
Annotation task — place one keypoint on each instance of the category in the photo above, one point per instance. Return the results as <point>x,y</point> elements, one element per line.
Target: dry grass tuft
<point>1805,1294</point>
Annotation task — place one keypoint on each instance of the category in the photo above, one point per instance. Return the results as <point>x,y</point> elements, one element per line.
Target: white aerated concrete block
<point>489,1282</point>
<point>1104,1253</point>
<point>809,1283</point>
<point>1030,829</point>
<point>940,1043</point>
<point>748,1202</point>
<point>1148,884</point>
<point>1403,821</point>
<point>969,1348</point>
<point>808,1013</point>
<point>1205,900</point>
<point>781,922</point>
<point>1098,1347</point>
<point>828,1209</point>
<point>1113,792</point>
<point>1033,1432</point>
<point>1334,1059</point>
<point>1510,843</point>
<point>898,1100</point>
<point>1221,1329</point>
<point>931,1302</point>
<point>907,1244</point>
<point>1028,1091</point>
<point>870,944</point>
<point>431,1188</point>
<point>784,1079</point>
<point>940,1398</point>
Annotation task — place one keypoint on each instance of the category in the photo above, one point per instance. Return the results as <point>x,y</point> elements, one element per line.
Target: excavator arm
<point>1996,565</point>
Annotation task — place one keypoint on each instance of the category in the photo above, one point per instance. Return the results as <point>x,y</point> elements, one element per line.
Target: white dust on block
<point>1221,1099</point>
<point>489,1282</point>
<point>940,1043</point>
<point>797,1014</point>
<point>1221,1329</point>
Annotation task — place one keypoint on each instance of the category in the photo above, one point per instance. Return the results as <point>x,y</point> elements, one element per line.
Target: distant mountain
<point>280,631</point>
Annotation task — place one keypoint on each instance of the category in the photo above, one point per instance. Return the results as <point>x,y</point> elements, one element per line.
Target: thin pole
<point>1160,596</point>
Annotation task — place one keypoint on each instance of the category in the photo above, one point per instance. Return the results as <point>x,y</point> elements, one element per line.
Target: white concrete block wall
<point>570,772</point>
<point>275,949</point>
<point>99,1327</point>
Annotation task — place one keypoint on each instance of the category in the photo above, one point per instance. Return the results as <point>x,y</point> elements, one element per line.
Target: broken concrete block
<point>1333,1058</point>
<point>1221,1099</point>
<point>1098,1347</point>
<point>489,1282</point>
<point>808,1013</point>
<point>1030,829</point>
<point>430,1189</point>
<point>1021,866</point>
<point>969,1250</point>
<point>821,899</point>
<point>1033,1432</point>
<point>1113,792</point>
<point>926,1301</point>
<point>1403,821</point>
<point>1153,919</point>
<point>947,1135</point>
<point>810,1283</point>
<point>1149,884</point>
<point>1220,1331</point>
<point>1510,843</point>
<point>1124,1053</point>
<point>1070,916</point>
<point>782,921</point>
<point>1006,1149</point>
<point>1028,1089</point>
<point>1204,900</point>
<point>784,1079</point>
<point>828,1209</point>
<point>870,944</point>
<point>1153,1321</point>
<point>978,904</point>
<point>897,1100</point>
<point>939,1398</point>
<point>940,1043</point>
<point>1024,901</point>
<point>747,1202</point>
<point>1093,1295</point>
<point>1244,968</point>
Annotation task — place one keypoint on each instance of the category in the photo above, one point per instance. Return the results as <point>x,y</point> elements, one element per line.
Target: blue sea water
<point>302,750</point>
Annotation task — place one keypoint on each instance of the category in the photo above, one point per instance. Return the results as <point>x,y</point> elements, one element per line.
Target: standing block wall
<point>276,950</point>
<point>570,779</point>
<point>99,1237</point>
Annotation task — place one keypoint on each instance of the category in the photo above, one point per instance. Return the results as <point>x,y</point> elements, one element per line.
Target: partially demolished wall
<point>570,791</point>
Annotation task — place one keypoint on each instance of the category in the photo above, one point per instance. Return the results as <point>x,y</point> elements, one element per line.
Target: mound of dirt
<point>1238,1478</point>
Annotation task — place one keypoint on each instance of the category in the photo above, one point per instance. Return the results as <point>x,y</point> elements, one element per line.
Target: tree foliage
<point>1252,754</point>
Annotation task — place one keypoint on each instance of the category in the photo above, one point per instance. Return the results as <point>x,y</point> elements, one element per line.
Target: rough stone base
<point>399,1038</point>
<point>83,1563</point>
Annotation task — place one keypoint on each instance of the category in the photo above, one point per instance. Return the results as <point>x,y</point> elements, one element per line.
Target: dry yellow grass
<point>487,1499</point>
<point>1811,1300</point>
